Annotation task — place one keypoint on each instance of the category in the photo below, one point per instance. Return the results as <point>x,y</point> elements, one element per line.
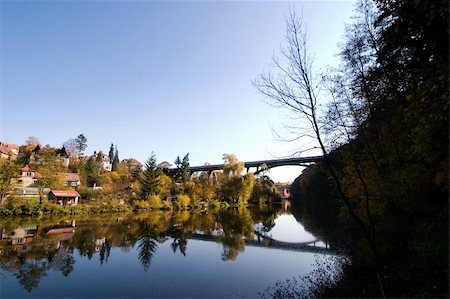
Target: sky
<point>171,77</point>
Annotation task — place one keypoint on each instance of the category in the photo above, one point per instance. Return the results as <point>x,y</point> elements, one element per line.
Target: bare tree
<point>294,85</point>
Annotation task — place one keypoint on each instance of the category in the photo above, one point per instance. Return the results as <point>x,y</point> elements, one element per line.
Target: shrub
<point>154,201</point>
<point>183,201</point>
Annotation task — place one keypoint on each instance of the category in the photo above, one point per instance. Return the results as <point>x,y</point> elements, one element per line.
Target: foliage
<point>92,169</point>
<point>81,141</point>
<point>150,178</point>
<point>8,170</point>
<point>154,201</point>
<point>387,127</point>
<point>264,190</point>
<point>182,201</point>
<point>181,173</point>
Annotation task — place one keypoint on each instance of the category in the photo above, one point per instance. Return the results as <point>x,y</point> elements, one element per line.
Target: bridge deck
<point>269,243</point>
<point>256,164</point>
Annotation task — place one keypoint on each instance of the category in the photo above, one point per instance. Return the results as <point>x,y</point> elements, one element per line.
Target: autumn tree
<point>8,170</point>
<point>234,186</point>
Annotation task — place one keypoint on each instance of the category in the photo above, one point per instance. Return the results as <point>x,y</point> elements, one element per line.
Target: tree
<point>115,161</point>
<point>234,186</point>
<point>8,170</point>
<point>32,140</point>
<point>111,152</point>
<point>71,147</point>
<point>150,177</point>
<point>296,87</point>
<point>182,173</point>
<point>92,168</point>
<point>81,143</point>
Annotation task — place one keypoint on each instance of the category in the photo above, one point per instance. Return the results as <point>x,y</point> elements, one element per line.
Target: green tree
<point>8,170</point>
<point>81,143</point>
<point>181,173</point>
<point>150,177</point>
<point>92,168</point>
<point>111,152</point>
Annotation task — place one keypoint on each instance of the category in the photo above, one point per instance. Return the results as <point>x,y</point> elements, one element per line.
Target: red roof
<point>65,193</point>
<point>4,149</point>
<point>70,177</point>
<point>13,146</point>
<point>26,168</point>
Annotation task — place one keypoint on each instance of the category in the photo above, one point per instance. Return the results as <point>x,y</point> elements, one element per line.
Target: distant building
<point>27,180</point>
<point>8,151</point>
<point>105,161</point>
<point>165,165</point>
<point>284,190</point>
<point>70,179</point>
<point>64,197</point>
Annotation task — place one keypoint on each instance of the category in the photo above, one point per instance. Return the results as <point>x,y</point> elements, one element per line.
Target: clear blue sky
<point>168,77</point>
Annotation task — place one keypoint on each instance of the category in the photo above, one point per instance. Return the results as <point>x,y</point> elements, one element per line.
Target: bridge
<point>267,242</point>
<point>302,161</point>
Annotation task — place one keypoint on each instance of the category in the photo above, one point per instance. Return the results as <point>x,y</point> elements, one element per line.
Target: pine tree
<point>111,152</point>
<point>150,177</point>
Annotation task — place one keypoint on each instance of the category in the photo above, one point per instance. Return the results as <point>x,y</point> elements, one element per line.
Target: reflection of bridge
<point>267,242</point>
<point>262,165</point>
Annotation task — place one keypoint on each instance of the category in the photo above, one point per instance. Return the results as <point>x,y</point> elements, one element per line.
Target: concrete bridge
<point>267,242</point>
<point>302,161</point>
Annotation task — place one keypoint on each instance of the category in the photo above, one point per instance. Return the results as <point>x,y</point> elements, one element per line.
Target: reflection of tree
<point>147,245</point>
<point>30,274</point>
<point>62,261</point>
<point>179,241</point>
<point>84,239</point>
<point>105,252</point>
<point>237,223</point>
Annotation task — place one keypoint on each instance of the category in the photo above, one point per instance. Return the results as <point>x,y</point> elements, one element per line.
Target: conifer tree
<point>150,177</point>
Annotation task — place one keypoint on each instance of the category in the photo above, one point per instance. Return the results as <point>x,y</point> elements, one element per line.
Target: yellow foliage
<point>154,201</point>
<point>183,201</point>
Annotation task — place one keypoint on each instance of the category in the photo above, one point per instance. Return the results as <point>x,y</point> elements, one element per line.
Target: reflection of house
<point>70,179</point>
<point>27,180</point>
<point>99,243</point>
<point>20,236</point>
<point>61,234</point>
<point>65,197</point>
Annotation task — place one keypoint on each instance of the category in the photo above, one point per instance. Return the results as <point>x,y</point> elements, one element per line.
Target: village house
<point>105,161</point>
<point>70,179</point>
<point>8,151</point>
<point>64,197</point>
<point>26,181</point>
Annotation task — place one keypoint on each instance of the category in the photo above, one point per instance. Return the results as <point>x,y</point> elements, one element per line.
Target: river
<point>221,253</point>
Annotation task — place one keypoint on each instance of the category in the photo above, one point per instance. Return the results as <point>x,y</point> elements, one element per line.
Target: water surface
<point>224,253</point>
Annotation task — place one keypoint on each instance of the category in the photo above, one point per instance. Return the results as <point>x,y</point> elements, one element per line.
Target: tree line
<point>381,121</point>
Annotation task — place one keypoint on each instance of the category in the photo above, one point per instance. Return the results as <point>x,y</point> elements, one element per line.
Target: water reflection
<point>31,251</point>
